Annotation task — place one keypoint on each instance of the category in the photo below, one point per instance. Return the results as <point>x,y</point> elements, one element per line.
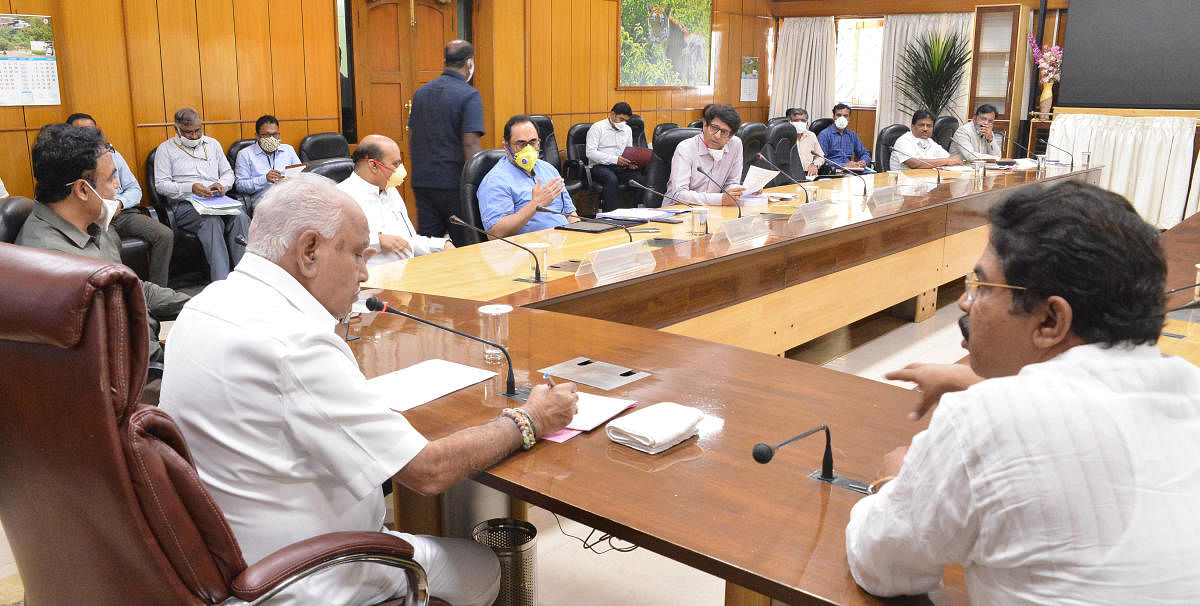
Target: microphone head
<point>240,239</point>
<point>761,157</point>
<point>634,183</point>
<point>374,304</point>
<point>455,220</point>
<point>763,452</point>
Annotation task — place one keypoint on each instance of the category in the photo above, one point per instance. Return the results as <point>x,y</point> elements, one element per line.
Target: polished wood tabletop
<point>1181,334</point>
<point>705,502</point>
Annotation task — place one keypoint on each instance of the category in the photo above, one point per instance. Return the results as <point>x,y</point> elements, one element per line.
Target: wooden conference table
<point>768,295</point>
<point>705,503</point>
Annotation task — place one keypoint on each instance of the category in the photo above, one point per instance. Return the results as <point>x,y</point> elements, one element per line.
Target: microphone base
<point>843,482</point>
<point>530,280</point>
<point>521,395</point>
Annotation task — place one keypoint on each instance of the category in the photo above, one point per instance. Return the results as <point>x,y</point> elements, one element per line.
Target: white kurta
<point>909,146</point>
<point>1075,481</point>
<point>286,434</point>
<point>386,213</point>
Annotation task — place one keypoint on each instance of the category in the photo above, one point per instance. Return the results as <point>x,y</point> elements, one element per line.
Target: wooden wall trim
<point>874,8</point>
<point>246,121</point>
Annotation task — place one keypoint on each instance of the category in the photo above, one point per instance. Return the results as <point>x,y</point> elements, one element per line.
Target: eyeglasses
<point>973,284</point>
<point>188,132</point>
<point>723,133</point>
<point>521,144</point>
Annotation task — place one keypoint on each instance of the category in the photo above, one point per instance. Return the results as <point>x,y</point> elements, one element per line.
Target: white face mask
<point>470,70</point>
<point>716,153</point>
<point>841,123</point>
<point>190,143</point>
<point>108,209</point>
<point>801,127</point>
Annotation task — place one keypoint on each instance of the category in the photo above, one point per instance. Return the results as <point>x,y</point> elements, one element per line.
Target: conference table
<point>702,322</point>
<point>856,256</point>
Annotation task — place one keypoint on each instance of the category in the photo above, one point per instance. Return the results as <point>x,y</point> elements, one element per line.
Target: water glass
<point>494,319</point>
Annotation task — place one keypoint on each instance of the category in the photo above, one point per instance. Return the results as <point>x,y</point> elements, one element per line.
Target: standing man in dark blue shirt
<point>841,144</point>
<point>445,126</point>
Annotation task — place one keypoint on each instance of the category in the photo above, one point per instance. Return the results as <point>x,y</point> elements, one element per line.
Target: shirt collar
<point>79,238</point>
<point>363,185</point>
<point>267,272</point>
<point>454,74</point>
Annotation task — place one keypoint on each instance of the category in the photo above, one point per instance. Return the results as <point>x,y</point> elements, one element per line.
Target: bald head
<point>375,158</point>
<point>457,53</point>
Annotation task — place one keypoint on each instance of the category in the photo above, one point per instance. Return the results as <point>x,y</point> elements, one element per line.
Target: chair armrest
<point>165,210</point>
<point>579,170</point>
<point>297,560</point>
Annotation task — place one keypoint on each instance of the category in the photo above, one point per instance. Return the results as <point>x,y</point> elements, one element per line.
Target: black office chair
<point>663,127</point>
<point>776,120</point>
<point>944,129</point>
<point>319,146</point>
<point>550,152</point>
<point>820,124</point>
<point>473,173</point>
<point>696,124</point>
<point>883,146</point>
<point>659,171</point>
<point>576,166</point>
<point>189,266</point>
<point>781,139</point>
<point>638,126</point>
<point>337,169</point>
<point>754,138</point>
<point>234,149</point>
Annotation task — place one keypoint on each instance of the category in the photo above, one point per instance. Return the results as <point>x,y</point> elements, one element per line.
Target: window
<point>346,71</point>
<point>859,61</point>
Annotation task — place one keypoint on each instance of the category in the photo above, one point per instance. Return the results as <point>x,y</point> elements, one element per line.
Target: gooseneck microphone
<point>633,183</point>
<point>850,172</point>
<point>1069,154</point>
<point>723,190</point>
<point>1182,288</point>
<point>936,169</point>
<point>375,304</point>
<point>763,453</point>
<point>543,209</point>
<point>1022,148</point>
<point>789,177</point>
<point>537,267</point>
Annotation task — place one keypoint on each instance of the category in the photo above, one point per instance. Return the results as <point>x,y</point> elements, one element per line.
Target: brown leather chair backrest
<point>73,345</point>
<point>14,210</point>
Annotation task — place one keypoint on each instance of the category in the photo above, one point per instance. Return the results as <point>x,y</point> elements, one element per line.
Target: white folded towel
<point>655,428</point>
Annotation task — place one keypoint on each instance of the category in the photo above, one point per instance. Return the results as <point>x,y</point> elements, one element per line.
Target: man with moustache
<point>1063,463</point>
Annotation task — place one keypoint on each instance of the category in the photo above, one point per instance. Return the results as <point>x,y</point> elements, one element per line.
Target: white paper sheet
<point>593,411</point>
<point>424,382</point>
<point>635,213</point>
<point>757,178</point>
<point>1026,163</point>
<point>294,170</point>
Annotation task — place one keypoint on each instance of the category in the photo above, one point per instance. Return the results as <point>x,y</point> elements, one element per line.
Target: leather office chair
<point>944,129</point>
<point>188,264</point>
<point>337,169</point>
<point>319,146</point>
<point>776,120</point>
<point>637,127</point>
<point>781,139</point>
<point>696,124</point>
<point>100,500</point>
<point>473,173</point>
<point>576,166</point>
<point>659,171</point>
<point>550,152</point>
<point>231,154</point>
<point>663,127</point>
<point>883,146</point>
<point>14,210</point>
<point>754,138</point>
<point>820,124</point>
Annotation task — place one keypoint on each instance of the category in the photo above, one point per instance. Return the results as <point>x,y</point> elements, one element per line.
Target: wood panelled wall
<point>566,64</point>
<point>133,63</point>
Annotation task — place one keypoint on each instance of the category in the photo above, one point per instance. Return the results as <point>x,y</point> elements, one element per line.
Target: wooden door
<point>397,48</point>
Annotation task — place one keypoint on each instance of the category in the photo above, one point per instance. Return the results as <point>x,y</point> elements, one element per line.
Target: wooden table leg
<point>519,509</point>
<point>416,514</point>
<point>736,595</point>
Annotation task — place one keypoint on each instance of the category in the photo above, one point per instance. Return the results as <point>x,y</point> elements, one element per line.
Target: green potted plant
<point>930,71</point>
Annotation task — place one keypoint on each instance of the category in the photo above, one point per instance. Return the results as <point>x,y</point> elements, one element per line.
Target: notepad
<point>293,170</point>
<point>425,382</point>
<point>591,412</point>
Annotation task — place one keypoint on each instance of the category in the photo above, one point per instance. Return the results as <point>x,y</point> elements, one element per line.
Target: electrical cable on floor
<point>590,544</point>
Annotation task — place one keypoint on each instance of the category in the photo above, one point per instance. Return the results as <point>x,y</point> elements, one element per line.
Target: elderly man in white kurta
<point>374,185</point>
<point>1072,473</point>
<point>287,435</point>
<point>917,149</point>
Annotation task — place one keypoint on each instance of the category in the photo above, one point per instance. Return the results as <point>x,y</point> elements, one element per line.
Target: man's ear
<point>306,247</point>
<point>79,190</point>
<point>1055,322</point>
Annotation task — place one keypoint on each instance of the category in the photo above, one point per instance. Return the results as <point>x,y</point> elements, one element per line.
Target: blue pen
<point>549,381</point>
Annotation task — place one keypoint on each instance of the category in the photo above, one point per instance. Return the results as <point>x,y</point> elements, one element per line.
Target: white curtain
<point>898,31</point>
<point>1147,160</point>
<point>804,64</point>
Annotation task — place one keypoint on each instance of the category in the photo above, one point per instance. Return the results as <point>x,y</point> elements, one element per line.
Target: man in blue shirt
<point>841,144</point>
<point>512,191</point>
<point>446,122</point>
<point>130,222</point>
<point>261,165</point>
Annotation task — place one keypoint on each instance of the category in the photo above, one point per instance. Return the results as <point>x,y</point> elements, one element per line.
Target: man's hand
<point>544,194</point>
<point>892,462</point>
<point>551,409</point>
<point>856,164</point>
<point>274,176</point>
<point>986,131</point>
<point>952,161</point>
<point>812,170</point>
<point>932,381</point>
<point>736,192</point>
<point>448,245</point>
<point>395,244</point>
<point>217,189</point>
<point>201,190</point>
<point>624,162</point>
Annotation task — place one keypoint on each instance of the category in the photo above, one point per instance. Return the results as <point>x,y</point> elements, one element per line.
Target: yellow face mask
<point>396,175</point>
<point>526,159</point>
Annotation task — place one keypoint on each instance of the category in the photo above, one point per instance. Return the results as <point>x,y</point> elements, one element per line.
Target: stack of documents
<point>425,382</point>
<point>216,205</point>
<point>591,412</point>
<point>644,214</point>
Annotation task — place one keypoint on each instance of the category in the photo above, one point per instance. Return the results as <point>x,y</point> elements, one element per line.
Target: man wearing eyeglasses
<point>976,139</point>
<point>1063,464</point>
<point>718,152</point>
<point>514,189</point>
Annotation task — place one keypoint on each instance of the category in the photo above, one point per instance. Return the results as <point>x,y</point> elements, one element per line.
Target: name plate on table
<point>817,216</point>
<point>615,262</point>
<point>600,375</point>
<point>742,230</point>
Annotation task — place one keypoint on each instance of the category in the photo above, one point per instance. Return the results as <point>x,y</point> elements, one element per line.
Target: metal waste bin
<point>514,542</point>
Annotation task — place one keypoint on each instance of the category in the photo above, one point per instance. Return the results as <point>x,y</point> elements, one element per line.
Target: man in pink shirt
<point>716,151</point>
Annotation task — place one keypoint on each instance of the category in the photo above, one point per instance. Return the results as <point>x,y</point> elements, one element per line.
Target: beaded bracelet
<point>521,418</point>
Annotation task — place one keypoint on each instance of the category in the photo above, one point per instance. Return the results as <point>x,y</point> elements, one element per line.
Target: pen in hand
<point>549,381</point>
